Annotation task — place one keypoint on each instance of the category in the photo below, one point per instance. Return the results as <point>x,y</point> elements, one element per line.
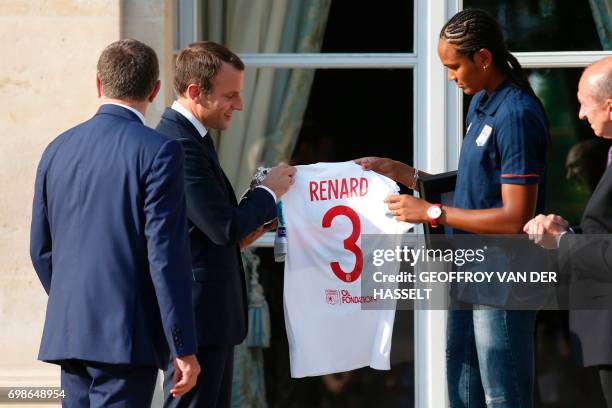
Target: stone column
<point>49,50</point>
<point>150,21</point>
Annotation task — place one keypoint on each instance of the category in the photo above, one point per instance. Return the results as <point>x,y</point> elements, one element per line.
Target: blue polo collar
<point>490,104</point>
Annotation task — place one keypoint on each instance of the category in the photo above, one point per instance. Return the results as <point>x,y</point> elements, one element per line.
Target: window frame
<point>437,143</point>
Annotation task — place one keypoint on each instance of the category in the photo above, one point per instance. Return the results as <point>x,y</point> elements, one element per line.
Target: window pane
<point>363,387</point>
<point>367,111</point>
<point>183,30</point>
<point>577,158</point>
<point>576,161</point>
<point>360,27</point>
<point>345,114</point>
<point>310,26</point>
<point>330,114</point>
<point>549,25</point>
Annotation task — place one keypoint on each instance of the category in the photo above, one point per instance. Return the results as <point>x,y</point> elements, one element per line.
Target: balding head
<point>599,78</point>
<point>595,97</point>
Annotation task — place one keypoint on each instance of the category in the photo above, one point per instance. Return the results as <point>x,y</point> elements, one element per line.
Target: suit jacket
<point>217,223</point>
<point>109,243</point>
<point>590,258</point>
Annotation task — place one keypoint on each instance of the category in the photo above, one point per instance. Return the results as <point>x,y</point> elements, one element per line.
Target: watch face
<point>434,212</point>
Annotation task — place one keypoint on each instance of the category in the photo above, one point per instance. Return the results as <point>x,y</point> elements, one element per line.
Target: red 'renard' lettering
<point>343,189</point>
<point>363,186</point>
<point>332,186</point>
<point>313,191</point>
<point>354,185</point>
<point>323,190</point>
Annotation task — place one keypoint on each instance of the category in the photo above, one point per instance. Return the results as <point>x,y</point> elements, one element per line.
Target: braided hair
<point>471,30</point>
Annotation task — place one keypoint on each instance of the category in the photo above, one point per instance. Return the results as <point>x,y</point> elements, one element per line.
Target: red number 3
<point>350,244</point>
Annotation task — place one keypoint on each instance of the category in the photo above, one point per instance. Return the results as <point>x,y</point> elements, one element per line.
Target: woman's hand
<point>397,171</point>
<point>408,208</point>
<point>381,165</point>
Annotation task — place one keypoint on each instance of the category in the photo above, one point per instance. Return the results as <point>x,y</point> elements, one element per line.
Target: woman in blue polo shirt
<point>500,186</point>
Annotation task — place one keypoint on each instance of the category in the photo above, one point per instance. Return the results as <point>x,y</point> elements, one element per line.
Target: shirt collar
<point>140,115</point>
<point>189,116</point>
<point>490,104</point>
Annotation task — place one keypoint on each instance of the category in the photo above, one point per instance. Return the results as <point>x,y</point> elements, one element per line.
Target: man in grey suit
<point>590,256</point>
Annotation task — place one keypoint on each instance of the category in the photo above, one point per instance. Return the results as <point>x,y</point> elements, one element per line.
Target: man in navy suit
<point>208,81</point>
<point>109,243</point>
<point>589,257</point>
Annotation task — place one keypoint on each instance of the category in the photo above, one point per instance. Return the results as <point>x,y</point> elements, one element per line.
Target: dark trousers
<point>214,386</point>
<point>92,384</point>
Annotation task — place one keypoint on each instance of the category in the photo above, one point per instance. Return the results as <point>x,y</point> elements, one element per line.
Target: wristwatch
<point>433,214</point>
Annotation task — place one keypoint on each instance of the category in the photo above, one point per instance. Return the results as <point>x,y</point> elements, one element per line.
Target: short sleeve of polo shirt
<point>521,144</point>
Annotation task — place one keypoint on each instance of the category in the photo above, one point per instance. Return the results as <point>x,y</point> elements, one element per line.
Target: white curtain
<point>602,14</point>
<point>275,99</point>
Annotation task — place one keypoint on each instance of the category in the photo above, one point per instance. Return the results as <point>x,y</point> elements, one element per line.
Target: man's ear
<point>194,93</point>
<point>98,86</point>
<point>155,91</point>
<point>609,108</point>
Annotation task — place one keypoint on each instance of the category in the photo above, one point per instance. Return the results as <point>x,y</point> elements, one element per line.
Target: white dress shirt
<point>192,119</point>
<point>203,131</point>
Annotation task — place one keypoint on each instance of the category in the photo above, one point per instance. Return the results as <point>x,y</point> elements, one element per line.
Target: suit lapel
<point>598,209</point>
<point>229,188</point>
<point>604,182</point>
<point>208,148</point>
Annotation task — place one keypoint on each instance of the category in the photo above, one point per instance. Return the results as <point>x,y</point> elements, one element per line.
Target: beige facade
<point>49,51</point>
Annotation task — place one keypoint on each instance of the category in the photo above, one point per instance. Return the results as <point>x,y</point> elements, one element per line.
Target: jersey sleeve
<point>521,143</point>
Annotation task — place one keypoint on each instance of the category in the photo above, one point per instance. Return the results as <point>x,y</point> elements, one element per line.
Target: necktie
<point>211,146</point>
<point>610,156</point>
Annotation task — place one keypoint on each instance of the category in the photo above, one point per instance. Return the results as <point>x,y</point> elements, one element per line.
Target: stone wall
<point>150,21</point>
<point>49,50</point>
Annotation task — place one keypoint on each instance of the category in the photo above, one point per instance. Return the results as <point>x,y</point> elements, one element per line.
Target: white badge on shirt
<point>484,136</point>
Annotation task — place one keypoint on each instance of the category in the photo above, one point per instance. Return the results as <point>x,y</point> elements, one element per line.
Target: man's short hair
<point>128,70</point>
<point>199,63</point>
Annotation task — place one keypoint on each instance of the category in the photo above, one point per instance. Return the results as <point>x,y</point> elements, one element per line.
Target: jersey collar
<point>489,105</point>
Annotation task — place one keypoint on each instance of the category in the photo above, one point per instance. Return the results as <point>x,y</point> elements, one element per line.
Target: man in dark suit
<point>208,80</point>
<point>589,257</point>
<point>109,243</point>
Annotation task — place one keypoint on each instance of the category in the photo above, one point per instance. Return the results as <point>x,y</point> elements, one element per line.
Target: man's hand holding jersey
<point>278,180</point>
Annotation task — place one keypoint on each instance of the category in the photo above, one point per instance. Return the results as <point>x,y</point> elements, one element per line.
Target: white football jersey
<point>325,212</point>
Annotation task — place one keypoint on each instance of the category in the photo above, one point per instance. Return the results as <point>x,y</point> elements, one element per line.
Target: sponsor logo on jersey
<point>332,296</point>
<point>344,297</point>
